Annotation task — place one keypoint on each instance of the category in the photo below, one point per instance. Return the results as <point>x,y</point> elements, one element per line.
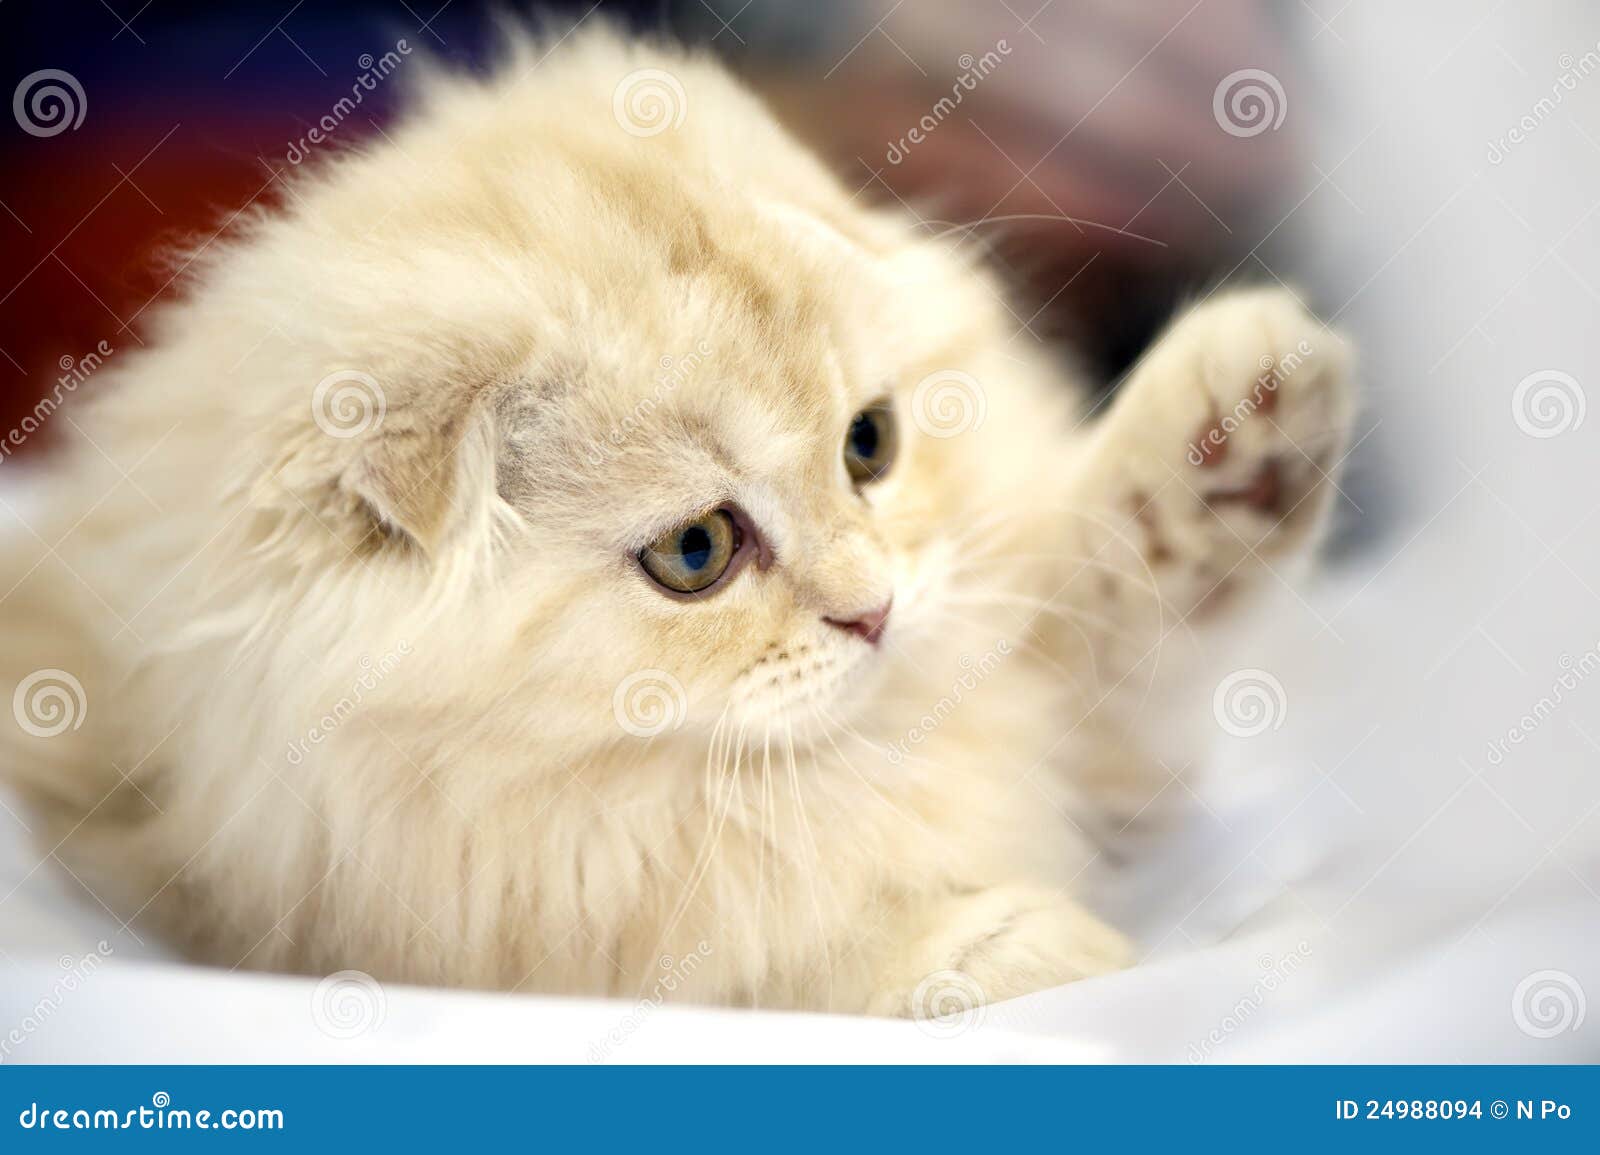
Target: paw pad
<point>1264,493</point>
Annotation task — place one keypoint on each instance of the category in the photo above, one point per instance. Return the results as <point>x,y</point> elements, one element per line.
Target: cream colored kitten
<point>574,532</point>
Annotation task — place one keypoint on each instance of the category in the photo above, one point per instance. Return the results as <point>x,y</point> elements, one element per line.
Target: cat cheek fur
<point>390,691</point>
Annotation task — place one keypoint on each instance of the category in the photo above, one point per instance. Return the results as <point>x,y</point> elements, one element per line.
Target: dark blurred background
<point>1085,152</point>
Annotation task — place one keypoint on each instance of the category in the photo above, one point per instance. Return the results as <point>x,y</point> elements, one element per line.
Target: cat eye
<point>694,557</point>
<point>870,444</point>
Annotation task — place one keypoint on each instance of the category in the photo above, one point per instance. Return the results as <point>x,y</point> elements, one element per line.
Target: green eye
<point>870,444</point>
<point>692,557</point>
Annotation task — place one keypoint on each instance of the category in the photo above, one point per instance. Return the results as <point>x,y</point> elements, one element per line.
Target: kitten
<point>575,534</point>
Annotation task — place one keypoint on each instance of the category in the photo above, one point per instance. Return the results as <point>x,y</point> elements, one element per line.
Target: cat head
<point>631,430</point>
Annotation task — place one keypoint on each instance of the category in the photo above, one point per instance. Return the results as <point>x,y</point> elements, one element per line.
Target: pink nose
<point>869,626</point>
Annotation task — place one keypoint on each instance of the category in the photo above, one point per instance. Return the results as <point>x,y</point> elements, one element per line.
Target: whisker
<point>761,843</point>
<point>1068,613</point>
<point>1038,648</point>
<point>1069,557</point>
<point>829,720</point>
<point>816,855</point>
<point>1011,218</point>
<point>708,845</point>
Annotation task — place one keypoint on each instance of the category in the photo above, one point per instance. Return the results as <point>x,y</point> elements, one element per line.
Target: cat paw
<point>1279,405</point>
<point>1232,429</point>
<point>998,944</point>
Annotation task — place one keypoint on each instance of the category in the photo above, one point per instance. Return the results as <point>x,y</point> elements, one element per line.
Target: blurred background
<point>1417,824</point>
<point>1075,141</point>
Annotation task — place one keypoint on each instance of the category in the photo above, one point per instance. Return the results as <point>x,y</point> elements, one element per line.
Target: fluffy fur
<point>398,698</point>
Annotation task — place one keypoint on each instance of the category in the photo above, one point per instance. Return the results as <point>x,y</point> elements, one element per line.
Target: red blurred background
<point>188,111</point>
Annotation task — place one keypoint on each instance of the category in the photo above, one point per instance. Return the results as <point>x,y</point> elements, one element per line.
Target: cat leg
<point>1213,466</point>
<point>964,950</point>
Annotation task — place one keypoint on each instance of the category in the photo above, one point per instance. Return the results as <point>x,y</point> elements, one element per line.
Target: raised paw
<point>1226,440</point>
<point>1278,404</point>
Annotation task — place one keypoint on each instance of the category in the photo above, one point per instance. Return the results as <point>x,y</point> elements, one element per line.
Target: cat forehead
<point>711,405</point>
<point>780,308</point>
<point>750,345</point>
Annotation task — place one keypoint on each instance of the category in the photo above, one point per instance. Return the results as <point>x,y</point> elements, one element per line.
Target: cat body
<point>347,573</point>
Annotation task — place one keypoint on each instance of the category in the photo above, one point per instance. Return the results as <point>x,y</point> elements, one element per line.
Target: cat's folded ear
<point>422,478</point>
<point>405,483</point>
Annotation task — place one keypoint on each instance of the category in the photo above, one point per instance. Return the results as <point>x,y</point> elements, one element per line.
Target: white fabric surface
<point>1422,964</point>
<point>1419,889</point>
